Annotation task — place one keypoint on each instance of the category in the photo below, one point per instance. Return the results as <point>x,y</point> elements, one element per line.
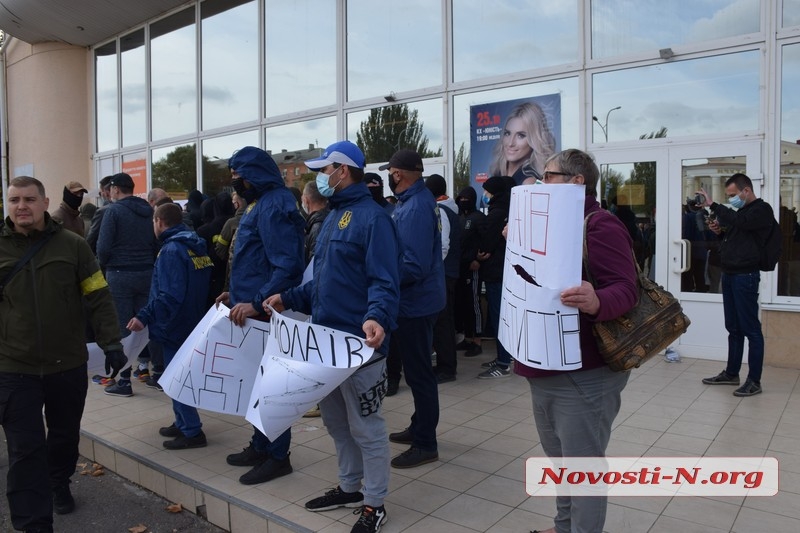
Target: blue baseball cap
<point>342,152</point>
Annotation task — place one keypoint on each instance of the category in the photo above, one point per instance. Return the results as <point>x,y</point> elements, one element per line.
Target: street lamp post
<point>604,126</point>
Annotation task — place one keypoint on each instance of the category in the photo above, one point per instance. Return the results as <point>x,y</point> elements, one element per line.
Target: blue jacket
<point>356,264</point>
<point>268,256</point>
<point>179,289</point>
<point>422,291</point>
<point>126,240</point>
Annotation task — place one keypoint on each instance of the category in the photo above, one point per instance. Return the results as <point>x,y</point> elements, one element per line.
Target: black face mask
<point>248,194</point>
<point>392,184</point>
<point>465,206</point>
<point>71,200</point>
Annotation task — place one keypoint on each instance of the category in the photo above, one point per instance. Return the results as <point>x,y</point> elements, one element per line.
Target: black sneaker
<point>170,431</point>
<point>723,378</point>
<point>63,502</point>
<point>750,388</point>
<point>247,457</point>
<point>473,350</point>
<point>402,437</point>
<point>120,388</point>
<point>152,382</point>
<point>464,345</point>
<point>489,364</point>
<point>392,387</point>
<point>371,520</point>
<point>184,443</point>
<point>443,377</point>
<point>414,457</point>
<point>335,498</point>
<point>267,471</point>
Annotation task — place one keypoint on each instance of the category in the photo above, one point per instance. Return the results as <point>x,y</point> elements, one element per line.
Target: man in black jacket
<point>469,318</point>
<point>743,232</point>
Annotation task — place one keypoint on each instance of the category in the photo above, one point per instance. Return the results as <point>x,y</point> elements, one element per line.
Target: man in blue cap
<point>355,289</point>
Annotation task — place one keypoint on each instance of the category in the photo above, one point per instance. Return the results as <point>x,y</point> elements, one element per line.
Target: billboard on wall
<point>137,169</point>
<point>496,136</point>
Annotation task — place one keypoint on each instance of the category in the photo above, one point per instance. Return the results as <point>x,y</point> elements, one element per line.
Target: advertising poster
<point>513,138</point>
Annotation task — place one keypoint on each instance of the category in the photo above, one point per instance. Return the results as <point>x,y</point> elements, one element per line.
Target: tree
<point>390,128</point>
<point>461,177</point>
<point>176,173</point>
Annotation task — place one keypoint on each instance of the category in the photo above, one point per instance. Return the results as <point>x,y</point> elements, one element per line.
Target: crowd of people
<point>413,277</point>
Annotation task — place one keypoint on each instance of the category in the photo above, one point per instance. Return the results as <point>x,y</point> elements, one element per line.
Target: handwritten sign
<point>216,366</point>
<point>543,257</point>
<point>302,363</point>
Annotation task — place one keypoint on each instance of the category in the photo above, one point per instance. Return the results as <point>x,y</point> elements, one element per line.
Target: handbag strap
<point>589,277</point>
<point>32,249</point>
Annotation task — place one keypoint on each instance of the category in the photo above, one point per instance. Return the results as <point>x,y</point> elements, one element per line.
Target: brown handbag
<point>650,326</point>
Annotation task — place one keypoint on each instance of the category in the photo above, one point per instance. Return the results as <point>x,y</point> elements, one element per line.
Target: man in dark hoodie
<point>126,250</point>
<point>491,254</point>
<point>469,318</point>
<point>177,302</point>
<point>267,259</point>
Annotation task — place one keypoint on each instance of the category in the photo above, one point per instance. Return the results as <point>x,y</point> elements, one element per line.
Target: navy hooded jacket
<point>126,240</point>
<point>268,256</point>
<point>422,290</point>
<point>356,264</point>
<point>179,289</point>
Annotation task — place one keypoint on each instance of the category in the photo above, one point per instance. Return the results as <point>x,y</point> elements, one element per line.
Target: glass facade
<point>292,77</point>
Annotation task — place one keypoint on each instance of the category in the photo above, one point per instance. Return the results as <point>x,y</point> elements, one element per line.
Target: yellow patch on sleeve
<point>93,283</point>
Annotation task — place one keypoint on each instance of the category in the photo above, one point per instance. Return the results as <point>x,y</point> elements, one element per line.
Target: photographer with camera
<point>742,230</point>
<point>694,230</point>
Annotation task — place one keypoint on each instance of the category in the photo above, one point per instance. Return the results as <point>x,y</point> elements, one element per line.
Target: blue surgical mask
<point>736,202</point>
<point>486,198</point>
<point>322,184</point>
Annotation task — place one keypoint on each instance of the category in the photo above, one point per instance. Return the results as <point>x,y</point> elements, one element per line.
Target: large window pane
<point>623,27</point>
<point>173,75</point>
<point>134,93</point>
<point>216,153</point>
<point>789,265</point>
<point>105,69</point>
<point>230,62</point>
<point>382,131</point>
<point>489,111</point>
<point>300,55</point>
<point>135,165</point>
<point>393,47</point>
<point>697,97</point>
<point>175,170</point>
<point>523,36</point>
<point>791,13</point>
<point>292,144</point>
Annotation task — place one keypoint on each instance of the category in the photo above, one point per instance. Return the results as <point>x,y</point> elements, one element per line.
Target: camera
<point>711,217</point>
<point>698,199</point>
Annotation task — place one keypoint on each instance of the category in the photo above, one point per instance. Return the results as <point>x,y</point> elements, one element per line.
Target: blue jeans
<point>278,448</point>
<point>186,417</point>
<point>494,297</point>
<point>740,303</point>
<point>414,339</point>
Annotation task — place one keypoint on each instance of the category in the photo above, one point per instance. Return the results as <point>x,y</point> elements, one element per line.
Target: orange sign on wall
<point>137,169</point>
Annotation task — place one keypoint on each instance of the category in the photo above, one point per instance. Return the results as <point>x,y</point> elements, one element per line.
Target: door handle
<point>682,261</point>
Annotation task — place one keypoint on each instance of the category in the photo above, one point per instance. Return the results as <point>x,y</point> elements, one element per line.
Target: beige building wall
<point>49,115</point>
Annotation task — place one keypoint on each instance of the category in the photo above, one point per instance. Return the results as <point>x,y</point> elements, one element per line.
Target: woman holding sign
<point>525,144</point>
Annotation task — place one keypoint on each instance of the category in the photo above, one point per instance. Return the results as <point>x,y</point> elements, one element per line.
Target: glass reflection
<point>401,53</point>
<point>105,69</point>
<point>300,55</point>
<point>216,152</point>
<point>566,132</point>
<point>173,75</point>
<point>512,47</point>
<point>381,131</point>
<point>134,100</point>
<point>791,13</point>
<point>695,97</point>
<point>292,144</point>
<point>628,190</point>
<point>174,169</point>
<point>622,27</point>
<point>788,269</point>
<point>230,62</point>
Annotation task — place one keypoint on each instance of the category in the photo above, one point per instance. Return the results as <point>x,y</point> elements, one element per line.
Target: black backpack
<point>771,252</point>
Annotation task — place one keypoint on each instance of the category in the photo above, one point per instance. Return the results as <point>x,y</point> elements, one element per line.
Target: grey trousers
<point>353,415</point>
<point>573,413</point>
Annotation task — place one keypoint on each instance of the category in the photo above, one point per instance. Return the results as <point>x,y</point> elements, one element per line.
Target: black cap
<point>405,159</point>
<point>372,179</point>
<point>121,180</point>
<point>436,184</point>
